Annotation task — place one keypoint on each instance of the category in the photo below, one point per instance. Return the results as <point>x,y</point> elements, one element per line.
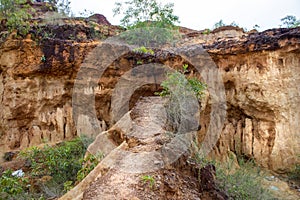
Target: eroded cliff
<point>260,72</point>
<point>261,75</point>
<point>37,77</point>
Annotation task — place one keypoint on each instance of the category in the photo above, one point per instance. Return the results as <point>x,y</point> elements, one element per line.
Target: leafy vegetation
<point>88,164</point>
<point>151,35</point>
<point>182,105</point>
<point>144,50</point>
<point>139,62</point>
<point>11,186</point>
<point>290,21</point>
<point>86,13</point>
<point>137,12</point>
<point>62,166</point>
<point>178,80</point>
<point>243,183</point>
<point>219,24</point>
<point>148,179</point>
<point>149,21</point>
<point>256,26</point>
<point>60,162</point>
<point>206,31</point>
<point>222,23</point>
<point>16,14</point>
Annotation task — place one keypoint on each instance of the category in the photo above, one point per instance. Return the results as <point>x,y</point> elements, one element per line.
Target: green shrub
<point>150,35</point>
<point>88,164</point>
<point>11,186</point>
<point>150,22</point>
<point>17,15</point>
<point>219,24</point>
<point>68,185</point>
<point>62,163</point>
<point>206,31</point>
<point>290,21</point>
<point>182,106</point>
<point>137,11</point>
<point>244,183</point>
<point>148,179</point>
<point>176,82</point>
<point>139,62</point>
<point>144,50</point>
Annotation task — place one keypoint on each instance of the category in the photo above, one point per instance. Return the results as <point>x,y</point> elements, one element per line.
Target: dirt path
<point>143,160</point>
<point>140,169</point>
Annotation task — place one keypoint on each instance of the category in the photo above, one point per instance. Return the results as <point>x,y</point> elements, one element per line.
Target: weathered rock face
<point>261,81</point>
<point>36,82</point>
<point>260,73</point>
<point>35,97</point>
<point>262,97</point>
<point>100,19</point>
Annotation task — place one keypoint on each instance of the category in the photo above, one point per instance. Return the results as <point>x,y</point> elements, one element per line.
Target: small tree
<point>151,23</point>
<point>137,12</point>
<point>219,24</point>
<point>256,27</point>
<point>290,21</point>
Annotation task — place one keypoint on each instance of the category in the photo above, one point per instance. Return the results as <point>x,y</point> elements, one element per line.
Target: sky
<point>198,14</point>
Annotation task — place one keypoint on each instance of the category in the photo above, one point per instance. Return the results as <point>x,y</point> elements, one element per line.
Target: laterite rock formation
<point>260,72</point>
<point>36,81</point>
<point>261,78</point>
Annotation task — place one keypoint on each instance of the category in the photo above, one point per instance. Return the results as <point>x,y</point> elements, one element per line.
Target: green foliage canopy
<point>151,23</point>
<point>290,21</point>
<point>219,24</point>
<point>136,12</point>
<point>12,185</point>
<point>181,84</point>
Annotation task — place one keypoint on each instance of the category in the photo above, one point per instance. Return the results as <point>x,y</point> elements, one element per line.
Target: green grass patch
<point>244,183</point>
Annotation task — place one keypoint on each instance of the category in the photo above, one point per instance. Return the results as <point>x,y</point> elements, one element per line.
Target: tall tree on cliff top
<point>137,12</point>
<point>151,23</point>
